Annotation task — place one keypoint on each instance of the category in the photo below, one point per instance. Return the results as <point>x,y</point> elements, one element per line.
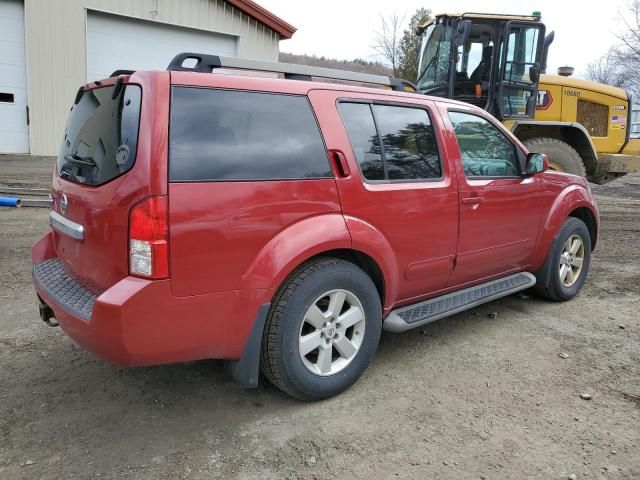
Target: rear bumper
<point>140,322</point>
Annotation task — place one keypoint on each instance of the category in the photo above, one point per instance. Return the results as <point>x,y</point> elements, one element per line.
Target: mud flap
<point>246,371</point>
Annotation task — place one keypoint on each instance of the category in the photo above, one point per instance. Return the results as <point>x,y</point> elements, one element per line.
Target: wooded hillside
<point>356,65</point>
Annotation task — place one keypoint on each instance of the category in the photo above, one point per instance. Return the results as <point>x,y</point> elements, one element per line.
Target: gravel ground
<point>475,396</point>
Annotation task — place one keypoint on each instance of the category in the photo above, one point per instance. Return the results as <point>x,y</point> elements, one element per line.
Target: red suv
<point>281,224</point>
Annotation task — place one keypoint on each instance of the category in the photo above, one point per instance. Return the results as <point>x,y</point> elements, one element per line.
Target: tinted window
<point>364,139</point>
<point>485,151</point>
<point>236,135</point>
<point>408,143</point>
<point>409,150</point>
<point>101,136</point>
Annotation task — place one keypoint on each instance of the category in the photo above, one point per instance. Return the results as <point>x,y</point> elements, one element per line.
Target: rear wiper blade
<point>75,158</point>
<point>68,175</point>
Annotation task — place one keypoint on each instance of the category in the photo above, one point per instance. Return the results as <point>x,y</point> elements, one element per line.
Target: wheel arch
<point>359,259</point>
<point>588,217</point>
<point>572,133</point>
<point>293,246</point>
<point>320,237</point>
<point>573,201</point>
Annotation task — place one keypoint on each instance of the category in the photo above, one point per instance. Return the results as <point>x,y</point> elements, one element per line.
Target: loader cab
<point>491,61</point>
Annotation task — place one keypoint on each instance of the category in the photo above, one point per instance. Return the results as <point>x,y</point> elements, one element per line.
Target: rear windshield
<point>101,137</point>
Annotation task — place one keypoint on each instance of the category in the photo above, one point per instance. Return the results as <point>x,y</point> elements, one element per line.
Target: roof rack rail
<point>117,73</point>
<point>208,63</point>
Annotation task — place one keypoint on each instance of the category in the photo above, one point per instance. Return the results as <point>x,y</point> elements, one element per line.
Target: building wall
<point>56,49</point>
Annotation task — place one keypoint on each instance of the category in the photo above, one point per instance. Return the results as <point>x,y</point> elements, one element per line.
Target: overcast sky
<point>344,29</point>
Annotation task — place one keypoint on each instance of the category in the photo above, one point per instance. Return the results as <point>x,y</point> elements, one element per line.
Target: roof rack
<point>208,63</point>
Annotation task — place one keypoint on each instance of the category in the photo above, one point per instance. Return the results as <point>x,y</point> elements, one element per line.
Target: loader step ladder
<point>413,316</point>
<point>198,62</point>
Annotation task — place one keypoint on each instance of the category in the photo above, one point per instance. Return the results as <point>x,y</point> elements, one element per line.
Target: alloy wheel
<point>571,260</point>
<point>332,332</point>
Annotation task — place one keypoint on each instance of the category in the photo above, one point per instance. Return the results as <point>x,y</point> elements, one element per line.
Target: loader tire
<point>562,156</point>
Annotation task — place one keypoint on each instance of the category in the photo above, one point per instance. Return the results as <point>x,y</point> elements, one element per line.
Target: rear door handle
<point>471,200</point>
<point>340,162</point>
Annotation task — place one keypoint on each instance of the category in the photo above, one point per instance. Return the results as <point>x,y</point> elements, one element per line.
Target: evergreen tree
<point>409,45</point>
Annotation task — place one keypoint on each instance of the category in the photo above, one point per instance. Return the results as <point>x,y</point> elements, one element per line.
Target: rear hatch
<point>96,182</point>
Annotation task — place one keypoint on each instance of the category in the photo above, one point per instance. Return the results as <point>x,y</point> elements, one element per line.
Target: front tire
<point>562,156</point>
<point>567,262</point>
<point>322,330</point>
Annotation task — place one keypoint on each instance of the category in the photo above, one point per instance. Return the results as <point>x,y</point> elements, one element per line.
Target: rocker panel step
<point>412,316</point>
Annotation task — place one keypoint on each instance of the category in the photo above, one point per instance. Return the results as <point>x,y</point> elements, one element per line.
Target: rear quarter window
<point>225,135</point>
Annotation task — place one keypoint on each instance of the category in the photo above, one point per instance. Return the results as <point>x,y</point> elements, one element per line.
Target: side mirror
<point>536,163</point>
<point>462,32</point>
<point>534,74</point>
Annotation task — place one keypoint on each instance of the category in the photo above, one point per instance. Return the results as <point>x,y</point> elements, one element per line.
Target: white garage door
<point>115,42</point>
<point>14,132</point>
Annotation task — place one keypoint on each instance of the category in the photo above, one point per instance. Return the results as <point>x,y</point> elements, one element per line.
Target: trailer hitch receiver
<point>46,315</point>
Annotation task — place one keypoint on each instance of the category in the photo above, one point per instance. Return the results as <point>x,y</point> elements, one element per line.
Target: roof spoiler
<point>117,73</point>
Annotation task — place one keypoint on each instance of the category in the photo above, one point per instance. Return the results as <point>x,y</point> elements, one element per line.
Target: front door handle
<point>471,200</point>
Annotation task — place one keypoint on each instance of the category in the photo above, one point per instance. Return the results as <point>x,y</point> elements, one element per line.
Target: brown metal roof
<point>264,16</point>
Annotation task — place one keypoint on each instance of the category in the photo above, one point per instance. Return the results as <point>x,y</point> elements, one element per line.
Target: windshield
<point>101,136</point>
<point>435,54</point>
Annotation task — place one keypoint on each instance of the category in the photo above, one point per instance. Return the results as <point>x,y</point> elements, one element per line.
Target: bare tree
<point>387,40</point>
<point>621,65</point>
<point>627,55</point>
<point>606,70</point>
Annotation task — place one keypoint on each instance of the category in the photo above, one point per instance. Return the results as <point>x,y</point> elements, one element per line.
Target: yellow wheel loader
<point>497,62</point>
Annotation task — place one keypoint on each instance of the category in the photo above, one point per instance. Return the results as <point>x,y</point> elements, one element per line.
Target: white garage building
<point>49,48</point>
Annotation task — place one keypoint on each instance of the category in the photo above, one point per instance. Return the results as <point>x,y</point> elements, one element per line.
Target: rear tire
<point>567,263</point>
<point>322,330</point>
<point>561,155</point>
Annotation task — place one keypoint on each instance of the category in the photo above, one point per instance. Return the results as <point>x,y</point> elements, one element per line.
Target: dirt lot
<point>470,397</point>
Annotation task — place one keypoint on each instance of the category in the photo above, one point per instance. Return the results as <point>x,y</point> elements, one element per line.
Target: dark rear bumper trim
<point>63,289</point>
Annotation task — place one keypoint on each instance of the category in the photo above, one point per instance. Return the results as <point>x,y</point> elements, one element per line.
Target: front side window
<point>224,135</point>
<point>484,150</point>
<point>392,142</point>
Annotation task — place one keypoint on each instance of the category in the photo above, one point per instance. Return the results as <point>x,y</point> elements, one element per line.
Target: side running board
<point>406,318</point>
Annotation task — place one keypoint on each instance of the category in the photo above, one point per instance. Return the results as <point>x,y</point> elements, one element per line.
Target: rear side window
<point>408,143</point>
<point>392,142</point>
<point>101,137</point>
<point>221,135</point>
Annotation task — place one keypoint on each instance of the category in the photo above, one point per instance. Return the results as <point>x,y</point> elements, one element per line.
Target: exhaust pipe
<point>548,40</point>
<point>46,315</point>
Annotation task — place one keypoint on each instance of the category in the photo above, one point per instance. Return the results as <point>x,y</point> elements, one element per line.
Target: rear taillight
<point>149,239</point>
